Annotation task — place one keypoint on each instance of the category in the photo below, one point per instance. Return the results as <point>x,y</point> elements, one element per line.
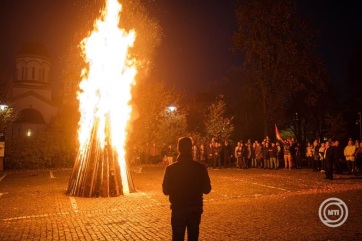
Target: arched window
<point>33,73</point>
<point>30,116</point>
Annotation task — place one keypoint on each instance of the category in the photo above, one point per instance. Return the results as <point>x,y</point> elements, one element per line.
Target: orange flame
<point>105,89</point>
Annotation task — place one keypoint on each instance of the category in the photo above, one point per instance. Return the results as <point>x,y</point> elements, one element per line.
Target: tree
<point>335,127</point>
<point>278,57</point>
<point>152,122</point>
<point>172,127</point>
<point>7,117</point>
<point>197,110</point>
<point>216,124</point>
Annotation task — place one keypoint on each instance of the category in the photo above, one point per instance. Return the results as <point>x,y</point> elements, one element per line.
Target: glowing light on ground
<point>104,104</point>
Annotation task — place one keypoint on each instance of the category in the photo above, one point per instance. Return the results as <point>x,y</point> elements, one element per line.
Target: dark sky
<point>340,26</point>
<point>197,35</point>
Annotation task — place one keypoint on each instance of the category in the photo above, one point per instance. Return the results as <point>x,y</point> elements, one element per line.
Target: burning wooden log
<point>97,171</point>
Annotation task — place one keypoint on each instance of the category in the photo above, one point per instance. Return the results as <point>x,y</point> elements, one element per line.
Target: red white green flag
<point>277,134</point>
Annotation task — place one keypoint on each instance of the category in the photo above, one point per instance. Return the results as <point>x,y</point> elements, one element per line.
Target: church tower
<point>31,93</point>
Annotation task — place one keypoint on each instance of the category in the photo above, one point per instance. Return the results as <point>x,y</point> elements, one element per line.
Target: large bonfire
<point>101,168</point>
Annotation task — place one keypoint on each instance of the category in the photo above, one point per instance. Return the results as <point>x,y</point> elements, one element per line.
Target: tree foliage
<point>151,121</point>
<point>7,117</point>
<point>279,59</point>
<point>216,124</point>
<point>172,127</point>
<point>335,127</point>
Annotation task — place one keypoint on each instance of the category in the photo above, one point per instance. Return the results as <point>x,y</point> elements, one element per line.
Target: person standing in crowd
<point>356,143</point>
<point>273,150</point>
<point>217,151</point>
<point>154,154</point>
<point>297,156</point>
<point>248,158</point>
<point>258,155</point>
<point>170,153</point>
<point>293,146</point>
<point>253,157</point>
<point>321,157</point>
<point>238,154</point>
<point>349,153</point>
<point>210,155</point>
<point>266,157</point>
<point>195,152</point>
<point>185,182</point>
<point>328,160</point>
<point>203,154</point>
<point>279,154</point>
<point>316,157</point>
<point>309,154</point>
<point>244,157</point>
<point>227,152</point>
<point>287,156</point>
<point>358,155</point>
<point>338,157</point>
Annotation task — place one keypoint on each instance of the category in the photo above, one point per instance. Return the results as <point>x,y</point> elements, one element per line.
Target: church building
<point>31,92</point>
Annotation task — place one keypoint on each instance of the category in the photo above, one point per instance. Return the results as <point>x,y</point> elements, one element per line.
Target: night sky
<point>197,35</point>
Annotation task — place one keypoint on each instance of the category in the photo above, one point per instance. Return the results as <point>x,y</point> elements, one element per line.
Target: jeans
<point>288,161</point>
<point>186,218</point>
<point>216,161</point>
<point>253,162</point>
<point>273,162</point>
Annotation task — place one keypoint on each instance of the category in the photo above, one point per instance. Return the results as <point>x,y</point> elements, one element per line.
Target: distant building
<point>31,92</point>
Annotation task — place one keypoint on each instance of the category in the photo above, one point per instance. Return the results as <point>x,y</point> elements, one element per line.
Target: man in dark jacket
<point>338,157</point>
<point>185,181</point>
<point>328,159</point>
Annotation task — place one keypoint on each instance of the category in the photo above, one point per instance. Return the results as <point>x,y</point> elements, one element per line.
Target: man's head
<point>336,143</point>
<point>184,145</point>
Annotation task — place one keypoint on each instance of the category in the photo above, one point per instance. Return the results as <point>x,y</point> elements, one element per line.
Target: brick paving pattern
<point>254,204</point>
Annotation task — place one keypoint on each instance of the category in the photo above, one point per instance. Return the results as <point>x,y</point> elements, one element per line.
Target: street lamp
<point>171,108</point>
<point>3,107</point>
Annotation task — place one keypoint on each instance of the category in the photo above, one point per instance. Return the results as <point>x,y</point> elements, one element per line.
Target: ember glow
<point>104,104</point>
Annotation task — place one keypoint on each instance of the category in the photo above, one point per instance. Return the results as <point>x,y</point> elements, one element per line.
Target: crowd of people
<point>328,156</point>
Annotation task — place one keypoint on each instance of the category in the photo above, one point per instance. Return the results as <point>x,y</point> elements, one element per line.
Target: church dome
<point>33,48</point>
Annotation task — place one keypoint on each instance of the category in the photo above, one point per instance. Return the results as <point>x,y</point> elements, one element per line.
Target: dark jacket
<point>185,181</point>
<point>338,153</point>
<point>227,150</point>
<point>329,156</point>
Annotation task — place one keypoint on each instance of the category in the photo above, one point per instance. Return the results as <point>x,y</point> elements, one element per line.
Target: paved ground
<point>249,204</point>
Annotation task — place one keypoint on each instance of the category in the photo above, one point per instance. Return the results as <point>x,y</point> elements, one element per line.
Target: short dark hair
<point>184,145</point>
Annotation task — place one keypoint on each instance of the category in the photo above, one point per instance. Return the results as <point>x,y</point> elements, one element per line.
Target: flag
<point>277,134</point>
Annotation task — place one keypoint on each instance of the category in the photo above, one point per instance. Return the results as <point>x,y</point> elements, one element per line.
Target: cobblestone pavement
<point>253,204</point>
